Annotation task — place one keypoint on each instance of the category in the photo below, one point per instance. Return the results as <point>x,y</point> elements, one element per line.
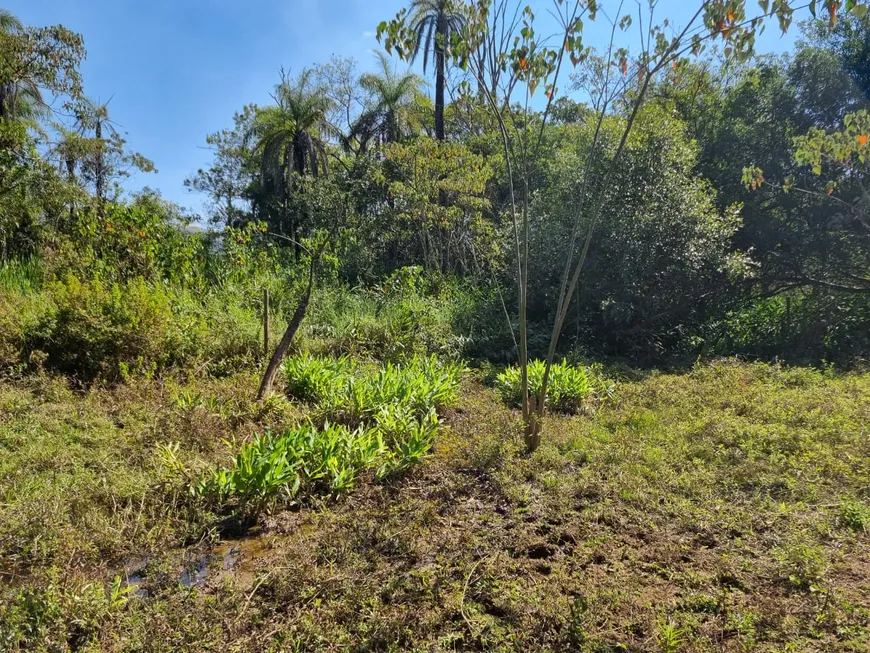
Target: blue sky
<point>176,70</point>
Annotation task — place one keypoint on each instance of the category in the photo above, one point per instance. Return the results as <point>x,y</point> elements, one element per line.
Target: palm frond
<point>9,22</point>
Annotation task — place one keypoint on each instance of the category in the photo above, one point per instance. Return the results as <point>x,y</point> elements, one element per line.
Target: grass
<point>719,509</point>
<point>18,276</point>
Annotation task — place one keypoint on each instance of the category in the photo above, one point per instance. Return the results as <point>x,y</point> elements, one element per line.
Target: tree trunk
<point>100,173</point>
<point>289,334</point>
<point>440,43</point>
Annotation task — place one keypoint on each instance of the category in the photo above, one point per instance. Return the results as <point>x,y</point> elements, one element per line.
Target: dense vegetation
<point>488,284</point>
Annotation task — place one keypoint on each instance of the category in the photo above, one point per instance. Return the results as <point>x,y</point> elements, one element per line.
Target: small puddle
<point>134,571</point>
<point>195,571</point>
<point>236,559</point>
<point>241,557</point>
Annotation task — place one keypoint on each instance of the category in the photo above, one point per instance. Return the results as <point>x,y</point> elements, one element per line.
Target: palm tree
<point>393,112</point>
<point>96,116</point>
<point>438,18</point>
<point>19,99</point>
<point>9,22</point>
<point>290,139</point>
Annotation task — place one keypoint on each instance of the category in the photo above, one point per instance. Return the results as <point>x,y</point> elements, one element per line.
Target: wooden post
<point>266,322</point>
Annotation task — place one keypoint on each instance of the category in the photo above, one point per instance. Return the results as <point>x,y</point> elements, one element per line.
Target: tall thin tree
<point>435,22</point>
<point>291,141</point>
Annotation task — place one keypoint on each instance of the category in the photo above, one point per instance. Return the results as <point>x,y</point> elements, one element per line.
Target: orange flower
<point>141,234</point>
<point>730,16</point>
<point>862,140</point>
<point>523,63</point>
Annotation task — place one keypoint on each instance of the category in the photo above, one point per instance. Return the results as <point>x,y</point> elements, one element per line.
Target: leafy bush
<point>19,316</point>
<point>855,515</point>
<point>567,387</point>
<point>146,238</point>
<point>94,328</point>
<point>402,317</point>
<point>800,325</point>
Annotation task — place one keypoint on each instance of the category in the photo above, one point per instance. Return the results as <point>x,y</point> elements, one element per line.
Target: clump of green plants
<point>377,420</point>
<point>397,319</point>
<point>310,378</point>
<point>62,615</point>
<point>355,393</point>
<point>802,563</point>
<point>304,459</point>
<point>567,388</point>
<point>93,327</point>
<point>309,461</point>
<point>669,635</point>
<point>21,276</point>
<point>855,515</point>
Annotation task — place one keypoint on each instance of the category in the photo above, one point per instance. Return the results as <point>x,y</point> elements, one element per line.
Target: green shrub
<point>94,328</point>
<point>143,239</point>
<point>395,320</point>
<point>229,336</point>
<point>567,387</point>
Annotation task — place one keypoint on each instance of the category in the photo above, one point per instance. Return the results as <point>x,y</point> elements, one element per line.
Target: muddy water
<point>238,559</point>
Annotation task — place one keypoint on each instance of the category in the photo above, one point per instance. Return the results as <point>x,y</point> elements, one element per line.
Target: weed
<point>855,515</point>
<point>744,623</point>
<point>802,563</point>
<point>383,421</point>
<point>308,460</point>
<point>669,636</point>
<point>305,459</point>
<point>353,394</point>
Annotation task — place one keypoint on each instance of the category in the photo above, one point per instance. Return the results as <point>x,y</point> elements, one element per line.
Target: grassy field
<point>724,508</point>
